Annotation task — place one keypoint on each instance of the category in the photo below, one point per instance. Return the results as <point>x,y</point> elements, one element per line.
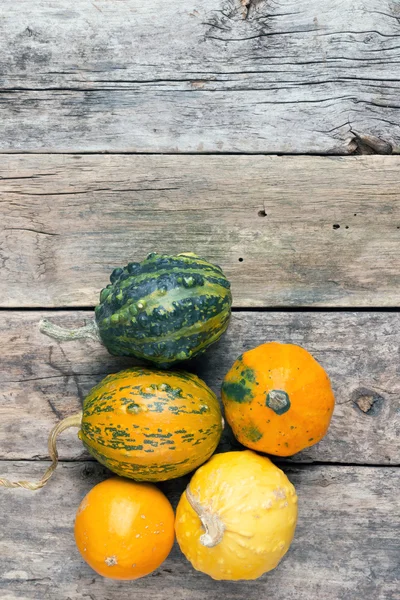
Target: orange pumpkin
<point>278,399</point>
<point>123,529</point>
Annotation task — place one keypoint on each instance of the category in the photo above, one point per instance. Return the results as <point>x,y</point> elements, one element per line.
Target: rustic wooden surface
<point>231,76</point>
<point>42,380</point>
<point>294,76</point>
<point>346,543</point>
<point>288,231</point>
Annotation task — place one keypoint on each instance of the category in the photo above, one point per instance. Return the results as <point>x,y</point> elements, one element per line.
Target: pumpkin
<point>278,399</point>
<point>237,517</point>
<point>165,309</point>
<point>151,425</point>
<point>124,530</point>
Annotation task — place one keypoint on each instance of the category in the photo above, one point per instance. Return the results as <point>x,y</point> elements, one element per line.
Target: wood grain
<point>310,231</point>
<point>294,76</point>
<point>43,381</point>
<point>346,544</point>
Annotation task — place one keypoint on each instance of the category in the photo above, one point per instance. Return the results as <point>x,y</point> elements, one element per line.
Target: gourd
<point>151,425</point>
<point>144,424</point>
<point>124,530</point>
<point>278,399</point>
<point>237,517</point>
<point>165,309</point>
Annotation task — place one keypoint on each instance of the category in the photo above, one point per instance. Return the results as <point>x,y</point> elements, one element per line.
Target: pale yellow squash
<point>237,517</point>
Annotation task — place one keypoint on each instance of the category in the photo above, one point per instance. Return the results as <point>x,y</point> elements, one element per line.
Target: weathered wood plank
<point>67,221</point>
<point>43,381</point>
<point>295,76</point>
<point>346,544</point>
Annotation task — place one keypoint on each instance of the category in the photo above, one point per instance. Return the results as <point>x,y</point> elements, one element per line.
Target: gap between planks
<point>396,151</point>
<point>235,309</point>
<point>282,464</point>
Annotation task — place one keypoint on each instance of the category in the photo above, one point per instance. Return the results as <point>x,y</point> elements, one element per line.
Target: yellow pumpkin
<point>237,517</point>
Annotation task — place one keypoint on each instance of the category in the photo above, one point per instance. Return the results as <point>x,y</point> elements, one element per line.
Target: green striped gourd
<point>165,309</point>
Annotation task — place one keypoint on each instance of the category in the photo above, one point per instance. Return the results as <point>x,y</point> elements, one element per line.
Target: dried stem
<point>73,421</point>
<point>214,527</point>
<point>62,334</point>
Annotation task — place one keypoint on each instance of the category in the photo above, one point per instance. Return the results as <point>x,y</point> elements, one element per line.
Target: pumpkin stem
<point>73,421</point>
<point>214,527</point>
<point>62,334</point>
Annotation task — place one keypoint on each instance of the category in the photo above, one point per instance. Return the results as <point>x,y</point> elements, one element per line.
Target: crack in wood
<point>30,230</point>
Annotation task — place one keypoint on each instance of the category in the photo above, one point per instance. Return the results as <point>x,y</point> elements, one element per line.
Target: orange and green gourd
<point>278,399</point>
<point>151,425</point>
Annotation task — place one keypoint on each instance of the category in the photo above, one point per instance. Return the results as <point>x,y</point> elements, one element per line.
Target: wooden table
<point>262,135</point>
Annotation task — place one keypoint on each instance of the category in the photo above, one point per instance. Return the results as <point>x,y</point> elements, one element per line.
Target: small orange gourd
<point>123,529</point>
<point>278,399</point>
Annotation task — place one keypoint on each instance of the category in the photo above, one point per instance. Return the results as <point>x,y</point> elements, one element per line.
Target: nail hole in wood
<point>240,259</point>
<point>262,213</point>
<point>336,226</point>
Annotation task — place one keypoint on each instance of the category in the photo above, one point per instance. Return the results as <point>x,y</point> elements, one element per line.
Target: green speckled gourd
<point>144,424</point>
<point>151,425</point>
<point>165,309</point>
